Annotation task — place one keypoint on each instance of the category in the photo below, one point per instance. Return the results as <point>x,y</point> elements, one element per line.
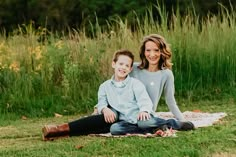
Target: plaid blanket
<point>198,118</point>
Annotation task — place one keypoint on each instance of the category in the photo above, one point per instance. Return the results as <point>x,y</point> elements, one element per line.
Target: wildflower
<point>2,66</point>
<point>38,67</point>
<point>91,60</point>
<point>112,33</point>
<point>14,66</point>
<point>1,45</point>
<point>59,44</point>
<point>37,51</point>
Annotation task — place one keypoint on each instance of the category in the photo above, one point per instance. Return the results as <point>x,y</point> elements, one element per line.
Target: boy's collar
<point>120,84</point>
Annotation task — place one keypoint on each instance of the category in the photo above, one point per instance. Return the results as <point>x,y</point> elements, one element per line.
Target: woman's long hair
<point>165,59</point>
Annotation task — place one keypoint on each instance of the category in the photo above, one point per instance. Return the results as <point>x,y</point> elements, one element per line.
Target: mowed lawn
<point>22,137</point>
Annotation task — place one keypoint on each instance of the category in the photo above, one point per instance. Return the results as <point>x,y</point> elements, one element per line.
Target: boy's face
<point>122,67</point>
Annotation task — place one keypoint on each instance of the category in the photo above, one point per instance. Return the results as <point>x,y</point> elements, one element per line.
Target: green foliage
<point>43,72</point>
<point>62,14</point>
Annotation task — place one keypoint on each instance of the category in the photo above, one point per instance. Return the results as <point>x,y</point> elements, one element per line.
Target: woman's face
<point>152,53</point>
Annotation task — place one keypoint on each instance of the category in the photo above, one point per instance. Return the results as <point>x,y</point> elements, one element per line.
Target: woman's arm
<point>169,90</point>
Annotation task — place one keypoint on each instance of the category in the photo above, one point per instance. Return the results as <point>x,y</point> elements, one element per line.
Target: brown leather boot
<point>51,132</point>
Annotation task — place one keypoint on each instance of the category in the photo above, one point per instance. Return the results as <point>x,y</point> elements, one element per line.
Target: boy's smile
<point>122,67</point>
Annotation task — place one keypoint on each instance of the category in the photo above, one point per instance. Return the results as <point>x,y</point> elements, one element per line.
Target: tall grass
<point>42,73</point>
<point>204,52</point>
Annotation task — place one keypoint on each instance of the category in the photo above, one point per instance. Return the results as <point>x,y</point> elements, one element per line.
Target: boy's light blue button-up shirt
<point>128,97</point>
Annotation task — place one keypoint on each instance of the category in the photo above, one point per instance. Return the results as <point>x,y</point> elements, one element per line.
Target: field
<point>22,137</point>
<point>43,73</point>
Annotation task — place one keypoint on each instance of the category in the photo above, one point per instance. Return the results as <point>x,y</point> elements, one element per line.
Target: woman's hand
<point>95,111</point>
<point>109,115</point>
<point>142,116</point>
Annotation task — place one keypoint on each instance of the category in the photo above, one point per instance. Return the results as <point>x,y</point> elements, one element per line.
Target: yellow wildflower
<point>90,59</point>
<point>59,44</point>
<point>38,67</point>
<point>1,45</point>
<point>37,51</point>
<point>14,66</point>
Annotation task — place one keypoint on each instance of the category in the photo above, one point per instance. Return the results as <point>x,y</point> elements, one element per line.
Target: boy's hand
<point>109,115</point>
<point>142,116</point>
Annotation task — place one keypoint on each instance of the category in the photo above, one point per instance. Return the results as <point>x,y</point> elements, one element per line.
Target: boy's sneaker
<point>185,126</point>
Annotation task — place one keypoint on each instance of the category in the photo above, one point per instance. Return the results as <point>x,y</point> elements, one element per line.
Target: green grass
<point>23,138</point>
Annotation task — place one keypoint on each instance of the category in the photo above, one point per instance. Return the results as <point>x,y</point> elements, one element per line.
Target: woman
<point>154,71</point>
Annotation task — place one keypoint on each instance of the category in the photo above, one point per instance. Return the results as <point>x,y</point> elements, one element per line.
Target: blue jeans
<point>123,127</point>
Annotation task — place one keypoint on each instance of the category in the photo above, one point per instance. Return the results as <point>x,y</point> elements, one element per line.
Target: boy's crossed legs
<point>154,123</point>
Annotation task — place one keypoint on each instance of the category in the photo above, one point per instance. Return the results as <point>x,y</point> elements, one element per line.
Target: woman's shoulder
<point>135,70</point>
<point>167,73</point>
<point>135,65</point>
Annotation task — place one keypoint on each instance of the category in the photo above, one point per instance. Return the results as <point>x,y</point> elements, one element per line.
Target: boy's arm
<point>102,99</point>
<point>102,106</point>
<point>143,100</point>
<point>109,115</point>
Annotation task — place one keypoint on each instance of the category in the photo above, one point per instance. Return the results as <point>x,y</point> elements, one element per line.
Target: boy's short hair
<point>124,52</point>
